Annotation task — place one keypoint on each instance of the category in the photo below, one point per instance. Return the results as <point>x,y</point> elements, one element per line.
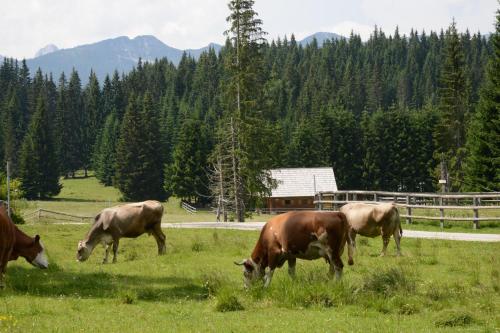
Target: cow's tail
<point>347,236</point>
<point>399,221</point>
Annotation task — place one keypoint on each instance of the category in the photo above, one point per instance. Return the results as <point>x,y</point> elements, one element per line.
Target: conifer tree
<point>105,152</point>
<point>483,163</point>
<point>187,176</point>
<point>38,165</point>
<point>454,109</point>
<point>139,170</point>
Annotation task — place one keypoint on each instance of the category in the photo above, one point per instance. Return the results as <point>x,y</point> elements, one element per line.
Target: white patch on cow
<point>41,260</point>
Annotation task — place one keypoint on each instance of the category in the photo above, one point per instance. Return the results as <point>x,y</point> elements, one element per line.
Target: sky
<point>28,25</point>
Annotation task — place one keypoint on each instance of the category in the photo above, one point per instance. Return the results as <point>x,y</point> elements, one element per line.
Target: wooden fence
<point>55,217</point>
<point>426,202</point>
<point>188,208</point>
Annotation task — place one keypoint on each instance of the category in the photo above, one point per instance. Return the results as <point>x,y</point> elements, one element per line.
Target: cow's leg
<point>351,246</point>
<point>268,277</point>
<point>397,239</point>
<point>116,242</point>
<point>160,239</point>
<point>385,240</point>
<point>106,254</point>
<point>336,265</point>
<point>272,260</point>
<point>291,267</point>
<point>2,273</point>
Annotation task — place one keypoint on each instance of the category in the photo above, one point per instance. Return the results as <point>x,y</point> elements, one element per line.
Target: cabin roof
<point>302,182</point>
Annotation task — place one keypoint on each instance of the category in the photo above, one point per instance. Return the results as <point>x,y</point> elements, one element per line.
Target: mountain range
<point>121,54</point>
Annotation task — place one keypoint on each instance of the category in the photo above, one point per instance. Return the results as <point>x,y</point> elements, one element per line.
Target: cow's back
<point>134,219</point>
<point>295,230</point>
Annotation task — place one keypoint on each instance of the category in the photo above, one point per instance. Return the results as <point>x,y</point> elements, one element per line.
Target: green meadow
<point>436,285</point>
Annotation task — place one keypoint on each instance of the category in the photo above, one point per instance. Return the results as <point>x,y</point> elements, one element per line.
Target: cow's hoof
<point>350,262</point>
<point>382,255</point>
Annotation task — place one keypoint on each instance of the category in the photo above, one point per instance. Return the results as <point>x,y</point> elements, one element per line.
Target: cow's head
<point>251,271</point>
<point>84,251</point>
<point>35,253</point>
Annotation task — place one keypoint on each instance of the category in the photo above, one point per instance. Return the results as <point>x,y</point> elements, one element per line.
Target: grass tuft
<point>228,302</point>
<point>388,281</point>
<point>453,318</point>
<point>128,297</point>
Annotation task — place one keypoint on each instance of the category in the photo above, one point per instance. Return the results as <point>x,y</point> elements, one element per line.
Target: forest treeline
<point>383,113</point>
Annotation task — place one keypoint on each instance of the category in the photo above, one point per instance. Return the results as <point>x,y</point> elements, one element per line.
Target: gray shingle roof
<point>301,182</point>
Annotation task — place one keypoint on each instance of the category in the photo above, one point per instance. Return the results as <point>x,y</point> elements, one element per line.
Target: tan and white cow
<point>372,220</point>
<point>129,221</point>
<point>305,235</point>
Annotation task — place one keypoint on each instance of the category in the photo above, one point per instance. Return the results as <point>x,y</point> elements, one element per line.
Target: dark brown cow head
<point>251,271</point>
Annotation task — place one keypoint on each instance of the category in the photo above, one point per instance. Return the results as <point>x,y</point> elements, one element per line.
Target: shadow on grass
<point>55,282</point>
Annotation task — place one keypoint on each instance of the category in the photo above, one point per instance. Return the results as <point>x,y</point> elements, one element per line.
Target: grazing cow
<point>14,244</point>
<point>372,220</point>
<point>129,221</point>
<point>305,235</point>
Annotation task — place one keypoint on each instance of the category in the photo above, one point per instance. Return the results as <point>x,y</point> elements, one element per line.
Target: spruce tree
<point>186,177</point>
<point>38,165</point>
<point>139,169</point>
<point>105,152</point>
<point>454,109</point>
<point>483,144</point>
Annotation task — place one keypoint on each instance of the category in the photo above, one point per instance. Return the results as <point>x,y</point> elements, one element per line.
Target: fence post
<point>39,213</point>
<point>354,197</point>
<point>441,212</point>
<point>408,210</point>
<point>320,206</point>
<point>335,205</point>
<point>375,197</point>
<point>476,213</point>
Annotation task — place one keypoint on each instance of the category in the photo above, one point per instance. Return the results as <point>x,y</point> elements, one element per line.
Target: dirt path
<point>458,236</point>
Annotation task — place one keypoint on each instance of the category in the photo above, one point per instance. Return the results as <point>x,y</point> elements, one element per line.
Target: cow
<point>305,235</point>
<point>372,220</point>
<point>129,221</point>
<point>14,244</point>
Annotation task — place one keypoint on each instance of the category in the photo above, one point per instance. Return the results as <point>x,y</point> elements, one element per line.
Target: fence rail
<point>58,217</point>
<point>428,201</point>
<point>188,208</point>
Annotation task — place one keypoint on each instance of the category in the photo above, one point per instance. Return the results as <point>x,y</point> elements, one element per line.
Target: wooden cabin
<point>296,188</point>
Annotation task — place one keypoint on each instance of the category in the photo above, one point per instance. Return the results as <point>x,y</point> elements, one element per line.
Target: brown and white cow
<point>129,221</point>
<point>305,235</point>
<point>14,244</point>
<point>372,220</point>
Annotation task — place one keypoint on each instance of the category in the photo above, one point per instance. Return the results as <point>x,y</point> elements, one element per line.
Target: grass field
<point>436,286</point>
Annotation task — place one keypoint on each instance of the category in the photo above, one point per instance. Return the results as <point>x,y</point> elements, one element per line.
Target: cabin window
<point>305,201</point>
<point>288,202</point>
